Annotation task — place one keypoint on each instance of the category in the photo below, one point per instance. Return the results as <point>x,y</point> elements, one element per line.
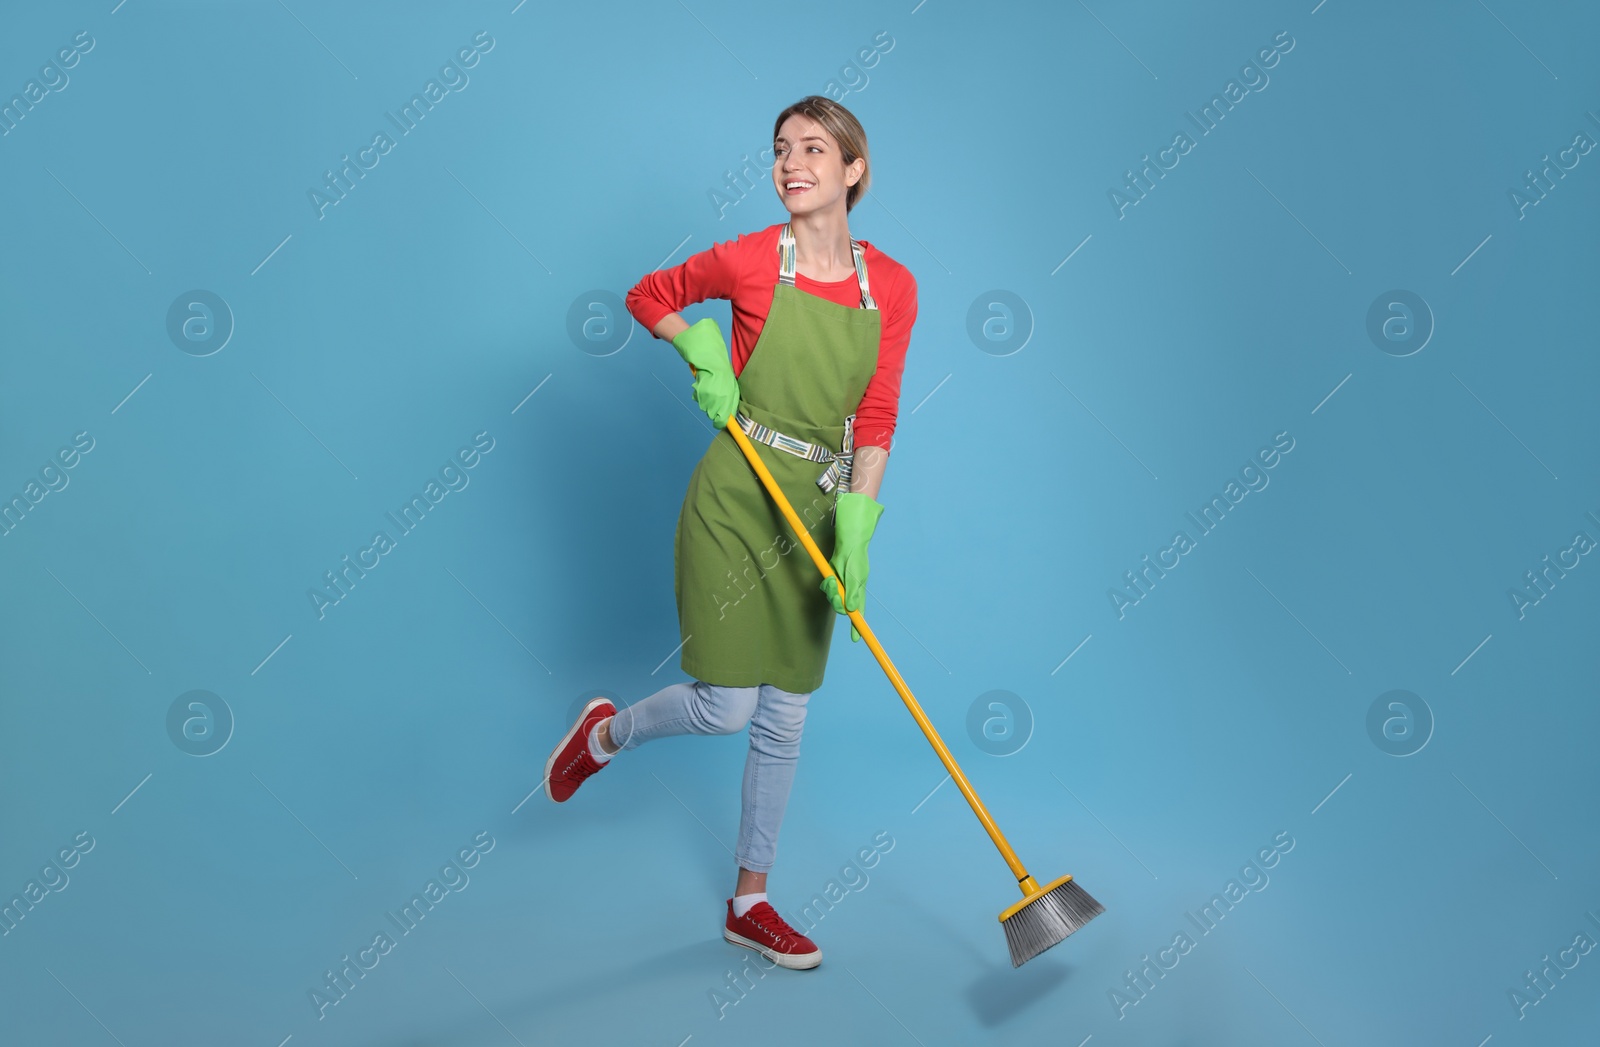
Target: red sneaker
<point>571,762</point>
<point>763,930</point>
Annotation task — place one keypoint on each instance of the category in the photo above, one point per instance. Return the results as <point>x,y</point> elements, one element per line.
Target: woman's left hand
<point>855,519</point>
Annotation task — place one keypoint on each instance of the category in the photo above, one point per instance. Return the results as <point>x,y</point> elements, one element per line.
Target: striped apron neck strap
<point>786,264</point>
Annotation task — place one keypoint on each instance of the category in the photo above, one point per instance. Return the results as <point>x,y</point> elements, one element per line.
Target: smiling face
<point>808,168</point>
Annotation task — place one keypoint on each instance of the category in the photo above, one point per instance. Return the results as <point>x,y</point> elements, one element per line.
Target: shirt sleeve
<point>712,273</point>
<point>880,404</point>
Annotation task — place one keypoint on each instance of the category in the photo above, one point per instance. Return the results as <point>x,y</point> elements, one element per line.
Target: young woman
<point>814,380</point>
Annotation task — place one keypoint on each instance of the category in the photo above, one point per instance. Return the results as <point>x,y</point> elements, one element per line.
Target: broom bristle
<point>1048,919</point>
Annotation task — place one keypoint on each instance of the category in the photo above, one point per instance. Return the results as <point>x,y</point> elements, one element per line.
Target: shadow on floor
<point>1001,992</point>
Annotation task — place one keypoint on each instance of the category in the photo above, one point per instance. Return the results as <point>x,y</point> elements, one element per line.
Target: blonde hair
<point>842,124</point>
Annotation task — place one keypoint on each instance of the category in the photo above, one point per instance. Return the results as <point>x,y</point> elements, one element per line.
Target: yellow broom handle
<point>860,622</point>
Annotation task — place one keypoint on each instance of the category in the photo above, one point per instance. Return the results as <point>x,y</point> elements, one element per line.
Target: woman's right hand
<point>716,389</point>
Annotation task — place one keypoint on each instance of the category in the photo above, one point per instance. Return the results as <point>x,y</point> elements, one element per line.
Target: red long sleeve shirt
<point>745,270</point>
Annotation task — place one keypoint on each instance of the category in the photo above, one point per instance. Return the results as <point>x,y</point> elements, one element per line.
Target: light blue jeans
<point>775,717</point>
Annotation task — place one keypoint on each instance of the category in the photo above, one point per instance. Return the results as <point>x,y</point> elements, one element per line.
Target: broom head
<point>1045,919</point>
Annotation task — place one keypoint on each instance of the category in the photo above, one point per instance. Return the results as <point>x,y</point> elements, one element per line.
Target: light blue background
<point>1230,704</point>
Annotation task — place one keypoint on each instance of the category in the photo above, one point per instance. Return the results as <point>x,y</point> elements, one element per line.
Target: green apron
<point>750,610</point>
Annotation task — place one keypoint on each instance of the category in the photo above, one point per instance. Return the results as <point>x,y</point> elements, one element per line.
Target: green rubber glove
<point>855,517</point>
<point>716,390</point>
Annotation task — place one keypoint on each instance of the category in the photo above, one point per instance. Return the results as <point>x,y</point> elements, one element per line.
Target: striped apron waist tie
<point>839,464</point>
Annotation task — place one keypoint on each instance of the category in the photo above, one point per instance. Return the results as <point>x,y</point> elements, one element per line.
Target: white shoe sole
<point>550,764</point>
<point>803,962</point>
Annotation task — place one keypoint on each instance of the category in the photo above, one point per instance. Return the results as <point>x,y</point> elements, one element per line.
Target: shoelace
<point>767,919</point>
<point>580,766</point>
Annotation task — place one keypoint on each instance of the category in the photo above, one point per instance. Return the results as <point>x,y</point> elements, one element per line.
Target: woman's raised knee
<point>779,720</point>
<point>725,710</point>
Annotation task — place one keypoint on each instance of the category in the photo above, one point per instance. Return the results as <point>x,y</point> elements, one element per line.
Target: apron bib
<point>749,607</point>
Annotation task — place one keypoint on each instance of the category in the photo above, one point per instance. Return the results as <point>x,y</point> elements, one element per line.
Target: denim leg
<point>693,707</point>
<point>768,774</point>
